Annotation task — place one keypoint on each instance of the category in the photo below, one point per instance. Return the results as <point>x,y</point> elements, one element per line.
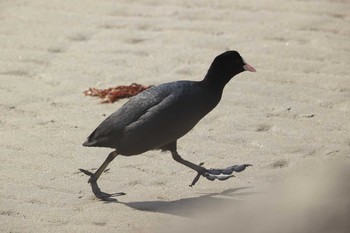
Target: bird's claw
<point>86,172</point>
<point>102,195</point>
<point>96,190</point>
<point>220,174</point>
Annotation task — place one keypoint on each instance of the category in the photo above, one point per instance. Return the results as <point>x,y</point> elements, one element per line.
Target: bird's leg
<point>94,177</point>
<point>198,168</point>
<point>211,174</point>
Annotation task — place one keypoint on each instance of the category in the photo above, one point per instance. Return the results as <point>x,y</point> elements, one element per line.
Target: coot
<point>157,117</point>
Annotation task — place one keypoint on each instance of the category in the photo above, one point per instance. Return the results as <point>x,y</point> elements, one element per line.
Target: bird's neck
<point>214,81</point>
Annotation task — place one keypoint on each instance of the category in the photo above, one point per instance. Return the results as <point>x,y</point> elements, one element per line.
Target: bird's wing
<point>161,124</point>
<point>114,125</point>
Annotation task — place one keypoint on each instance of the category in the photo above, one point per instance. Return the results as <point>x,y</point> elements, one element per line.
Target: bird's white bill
<point>248,67</point>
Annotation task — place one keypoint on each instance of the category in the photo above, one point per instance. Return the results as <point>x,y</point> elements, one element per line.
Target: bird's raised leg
<point>210,174</point>
<point>94,177</point>
<point>198,168</point>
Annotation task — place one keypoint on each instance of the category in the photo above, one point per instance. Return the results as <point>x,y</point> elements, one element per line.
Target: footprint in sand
<point>56,49</point>
<point>279,163</point>
<point>263,127</point>
<point>79,37</point>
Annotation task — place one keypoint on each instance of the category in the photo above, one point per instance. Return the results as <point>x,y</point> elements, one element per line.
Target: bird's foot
<point>219,174</point>
<point>96,190</point>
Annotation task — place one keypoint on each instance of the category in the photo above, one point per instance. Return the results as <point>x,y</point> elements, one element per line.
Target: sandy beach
<point>291,117</point>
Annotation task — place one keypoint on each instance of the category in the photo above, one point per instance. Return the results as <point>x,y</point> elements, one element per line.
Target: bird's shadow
<point>187,207</point>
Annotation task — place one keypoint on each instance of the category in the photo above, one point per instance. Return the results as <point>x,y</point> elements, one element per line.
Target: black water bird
<point>157,117</point>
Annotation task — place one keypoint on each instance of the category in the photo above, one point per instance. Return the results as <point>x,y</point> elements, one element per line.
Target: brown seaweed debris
<point>113,94</point>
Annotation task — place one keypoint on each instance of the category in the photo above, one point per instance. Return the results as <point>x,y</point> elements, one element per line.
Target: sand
<point>289,117</point>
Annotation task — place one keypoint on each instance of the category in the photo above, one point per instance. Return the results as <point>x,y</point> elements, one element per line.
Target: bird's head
<point>227,65</point>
